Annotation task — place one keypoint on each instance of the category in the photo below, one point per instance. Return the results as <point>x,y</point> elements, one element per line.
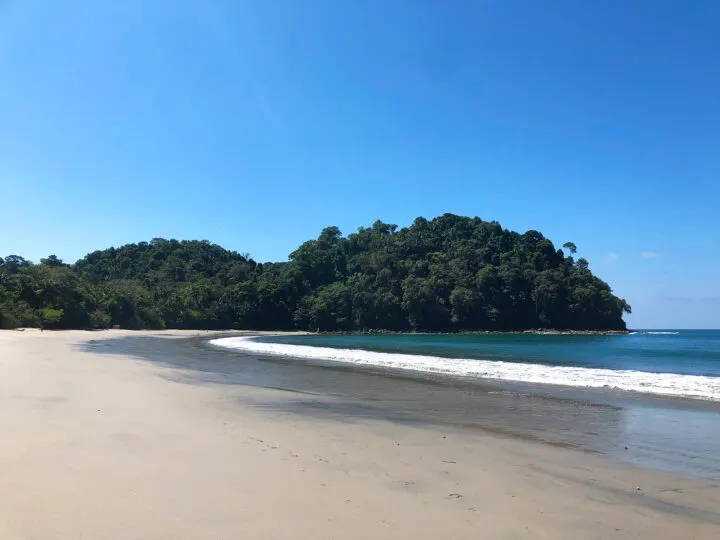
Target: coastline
<point>105,443</point>
<point>537,331</point>
<point>371,331</point>
<point>405,352</point>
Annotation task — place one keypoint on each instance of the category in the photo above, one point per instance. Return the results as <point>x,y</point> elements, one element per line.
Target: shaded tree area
<point>447,274</point>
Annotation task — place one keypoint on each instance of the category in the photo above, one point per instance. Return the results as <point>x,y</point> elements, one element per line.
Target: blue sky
<point>255,124</point>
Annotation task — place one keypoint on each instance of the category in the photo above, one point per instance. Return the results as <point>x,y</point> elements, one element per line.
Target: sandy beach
<point>113,446</point>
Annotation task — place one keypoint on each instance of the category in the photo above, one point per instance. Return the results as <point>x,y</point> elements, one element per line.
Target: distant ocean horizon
<point>669,362</point>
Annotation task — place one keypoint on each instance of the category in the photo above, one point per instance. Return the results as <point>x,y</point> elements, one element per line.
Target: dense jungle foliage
<point>447,274</point>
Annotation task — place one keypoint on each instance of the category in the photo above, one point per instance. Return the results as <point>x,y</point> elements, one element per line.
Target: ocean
<point>675,363</point>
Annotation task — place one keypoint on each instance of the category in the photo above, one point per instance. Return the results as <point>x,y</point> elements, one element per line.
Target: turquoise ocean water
<point>676,363</point>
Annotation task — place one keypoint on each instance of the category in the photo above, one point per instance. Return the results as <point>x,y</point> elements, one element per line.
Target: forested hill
<point>448,274</point>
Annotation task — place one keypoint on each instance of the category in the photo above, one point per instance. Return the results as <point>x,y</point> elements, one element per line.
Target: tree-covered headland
<point>447,274</point>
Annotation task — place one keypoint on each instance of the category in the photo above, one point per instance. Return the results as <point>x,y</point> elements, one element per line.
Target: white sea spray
<point>668,384</point>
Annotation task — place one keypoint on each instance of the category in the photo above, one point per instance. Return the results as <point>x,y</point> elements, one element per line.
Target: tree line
<point>447,274</point>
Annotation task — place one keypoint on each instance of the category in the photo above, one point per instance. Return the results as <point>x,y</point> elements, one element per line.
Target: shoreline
<point>362,353</point>
<point>113,440</point>
<point>520,409</point>
<point>538,331</point>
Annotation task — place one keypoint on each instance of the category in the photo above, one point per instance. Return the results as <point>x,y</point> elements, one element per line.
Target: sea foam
<point>668,384</point>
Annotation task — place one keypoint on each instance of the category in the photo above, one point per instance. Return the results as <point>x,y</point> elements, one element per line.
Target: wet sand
<point>677,435</point>
<point>109,437</point>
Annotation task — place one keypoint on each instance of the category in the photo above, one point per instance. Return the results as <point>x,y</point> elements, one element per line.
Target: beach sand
<point>103,446</point>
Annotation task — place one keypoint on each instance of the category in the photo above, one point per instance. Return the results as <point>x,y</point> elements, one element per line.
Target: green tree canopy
<point>450,273</point>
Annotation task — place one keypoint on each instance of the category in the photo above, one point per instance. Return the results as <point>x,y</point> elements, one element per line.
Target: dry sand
<point>111,447</point>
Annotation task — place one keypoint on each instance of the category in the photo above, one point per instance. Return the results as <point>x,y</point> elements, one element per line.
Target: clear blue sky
<point>254,124</point>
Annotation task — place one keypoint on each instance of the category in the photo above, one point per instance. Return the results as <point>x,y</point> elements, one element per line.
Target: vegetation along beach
<point>450,273</point>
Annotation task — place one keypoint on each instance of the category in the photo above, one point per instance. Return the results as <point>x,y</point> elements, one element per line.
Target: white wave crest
<point>661,333</point>
<point>669,384</point>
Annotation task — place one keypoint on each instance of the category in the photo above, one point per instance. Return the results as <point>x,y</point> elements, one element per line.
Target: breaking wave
<point>668,384</point>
